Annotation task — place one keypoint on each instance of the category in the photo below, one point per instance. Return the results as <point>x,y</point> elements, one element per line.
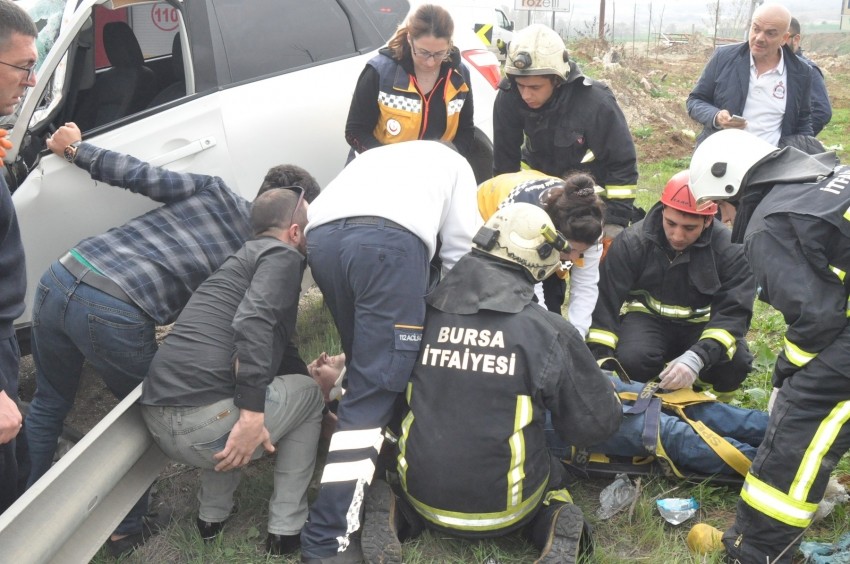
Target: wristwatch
<point>70,151</point>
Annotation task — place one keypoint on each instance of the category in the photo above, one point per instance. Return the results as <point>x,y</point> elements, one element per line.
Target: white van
<point>219,87</point>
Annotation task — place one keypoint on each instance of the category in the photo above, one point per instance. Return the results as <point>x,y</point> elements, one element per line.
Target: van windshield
<point>47,15</point>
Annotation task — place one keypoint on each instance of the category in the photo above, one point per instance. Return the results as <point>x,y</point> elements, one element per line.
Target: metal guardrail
<point>68,514</point>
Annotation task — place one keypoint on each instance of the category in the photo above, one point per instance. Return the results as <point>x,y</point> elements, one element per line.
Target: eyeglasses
<point>300,190</point>
<point>425,55</point>
<point>29,70</point>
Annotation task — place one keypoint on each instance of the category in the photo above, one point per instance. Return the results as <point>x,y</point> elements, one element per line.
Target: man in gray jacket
<point>213,397</point>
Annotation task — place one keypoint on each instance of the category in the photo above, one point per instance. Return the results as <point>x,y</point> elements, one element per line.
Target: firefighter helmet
<point>515,234</point>
<point>722,161</point>
<point>537,50</point>
<point>678,195</point>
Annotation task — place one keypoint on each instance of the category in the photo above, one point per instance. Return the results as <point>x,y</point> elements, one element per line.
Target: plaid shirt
<point>160,257</point>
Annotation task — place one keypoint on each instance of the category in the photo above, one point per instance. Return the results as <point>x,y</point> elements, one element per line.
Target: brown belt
<point>91,278</point>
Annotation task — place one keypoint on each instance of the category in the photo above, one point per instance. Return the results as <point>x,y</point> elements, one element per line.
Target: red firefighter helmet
<point>678,195</point>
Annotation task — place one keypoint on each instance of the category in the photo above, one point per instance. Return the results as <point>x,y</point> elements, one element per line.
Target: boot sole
<point>379,538</point>
<point>565,537</point>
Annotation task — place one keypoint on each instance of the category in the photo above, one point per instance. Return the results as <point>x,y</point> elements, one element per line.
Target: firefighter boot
<point>561,533</point>
<point>379,538</point>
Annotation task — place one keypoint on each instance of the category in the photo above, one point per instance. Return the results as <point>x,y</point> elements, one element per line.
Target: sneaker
<point>352,555</point>
<point>380,527</point>
<point>152,524</point>
<point>568,537</point>
<point>703,539</point>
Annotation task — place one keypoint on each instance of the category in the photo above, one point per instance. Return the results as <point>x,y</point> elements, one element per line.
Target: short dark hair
<point>794,27</point>
<point>13,19</point>
<point>281,176</point>
<point>272,210</point>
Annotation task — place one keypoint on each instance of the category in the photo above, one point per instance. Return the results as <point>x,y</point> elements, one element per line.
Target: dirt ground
<point>650,86</point>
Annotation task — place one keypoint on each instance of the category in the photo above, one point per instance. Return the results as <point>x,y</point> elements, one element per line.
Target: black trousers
<point>807,432</point>
<point>647,342</point>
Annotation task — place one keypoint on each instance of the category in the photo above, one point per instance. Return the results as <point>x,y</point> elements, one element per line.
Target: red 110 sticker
<point>165,17</point>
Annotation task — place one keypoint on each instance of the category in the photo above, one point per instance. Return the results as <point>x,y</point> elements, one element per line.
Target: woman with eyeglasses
<point>415,88</point>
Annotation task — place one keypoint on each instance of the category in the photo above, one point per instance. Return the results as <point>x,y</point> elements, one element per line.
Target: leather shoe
<point>209,530</point>
<point>152,524</point>
<point>280,545</point>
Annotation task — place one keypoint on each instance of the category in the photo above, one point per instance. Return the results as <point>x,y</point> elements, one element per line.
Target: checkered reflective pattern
<point>403,103</point>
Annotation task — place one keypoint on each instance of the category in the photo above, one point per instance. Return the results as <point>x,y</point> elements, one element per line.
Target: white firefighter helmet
<point>537,50</point>
<point>722,161</point>
<point>515,233</point>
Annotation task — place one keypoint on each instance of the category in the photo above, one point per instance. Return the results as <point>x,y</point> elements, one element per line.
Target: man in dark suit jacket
<point>759,86</point>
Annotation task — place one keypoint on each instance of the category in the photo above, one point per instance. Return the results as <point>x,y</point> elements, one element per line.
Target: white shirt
<point>766,99</point>
<point>422,185</point>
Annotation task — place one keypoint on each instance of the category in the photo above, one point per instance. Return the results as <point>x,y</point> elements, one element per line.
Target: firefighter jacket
<point>388,106</point>
<point>472,456</point>
<point>709,283</point>
<point>812,291</point>
<point>532,187</point>
<point>580,127</point>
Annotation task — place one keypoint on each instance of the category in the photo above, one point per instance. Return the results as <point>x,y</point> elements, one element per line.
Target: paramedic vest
<point>403,110</point>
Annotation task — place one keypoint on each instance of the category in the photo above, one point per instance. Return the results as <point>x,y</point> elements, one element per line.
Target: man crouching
<point>213,397</point>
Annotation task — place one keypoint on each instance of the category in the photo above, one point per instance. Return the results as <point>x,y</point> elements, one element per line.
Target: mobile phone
<point>738,119</point>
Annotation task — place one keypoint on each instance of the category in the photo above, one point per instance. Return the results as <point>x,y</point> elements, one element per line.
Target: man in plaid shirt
<point>102,301</point>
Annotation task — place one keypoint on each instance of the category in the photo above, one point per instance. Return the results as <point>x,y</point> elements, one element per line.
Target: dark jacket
<point>580,127</point>
<point>725,80</point>
<point>386,90</point>
<point>13,272</point>
<point>821,108</point>
<point>709,283</point>
<point>801,265</point>
<point>245,311</point>
<point>492,363</point>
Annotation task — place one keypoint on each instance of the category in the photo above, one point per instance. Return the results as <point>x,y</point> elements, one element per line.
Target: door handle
<point>186,150</point>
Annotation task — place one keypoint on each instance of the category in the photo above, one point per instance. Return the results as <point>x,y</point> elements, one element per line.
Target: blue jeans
<point>72,323</point>
<point>743,428</point>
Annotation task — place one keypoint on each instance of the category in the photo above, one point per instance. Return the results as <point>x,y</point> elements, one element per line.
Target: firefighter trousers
<point>806,436</point>
<point>647,342</point>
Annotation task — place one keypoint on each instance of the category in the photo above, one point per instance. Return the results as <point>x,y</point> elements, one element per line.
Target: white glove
<point>681,372</point>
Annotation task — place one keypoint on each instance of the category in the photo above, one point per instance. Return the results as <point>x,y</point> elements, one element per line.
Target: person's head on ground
<point>285,175</point>
<point>577,212</point>
<point>683,218</point>
<point>426,37</point>
<point>795,39</point>
<point>18,55</point>
<point>281,213</point>
<point>325,370</point>
<point>769,31</point>
<point>537,63</point>
<point>516,234</point>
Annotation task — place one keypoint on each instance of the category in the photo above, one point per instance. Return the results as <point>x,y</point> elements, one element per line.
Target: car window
<point>388,14</point>
<point>310,33</point>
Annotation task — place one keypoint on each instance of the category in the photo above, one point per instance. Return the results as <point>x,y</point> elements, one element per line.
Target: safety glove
<point>681,372</point>
<point>4,144</point>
